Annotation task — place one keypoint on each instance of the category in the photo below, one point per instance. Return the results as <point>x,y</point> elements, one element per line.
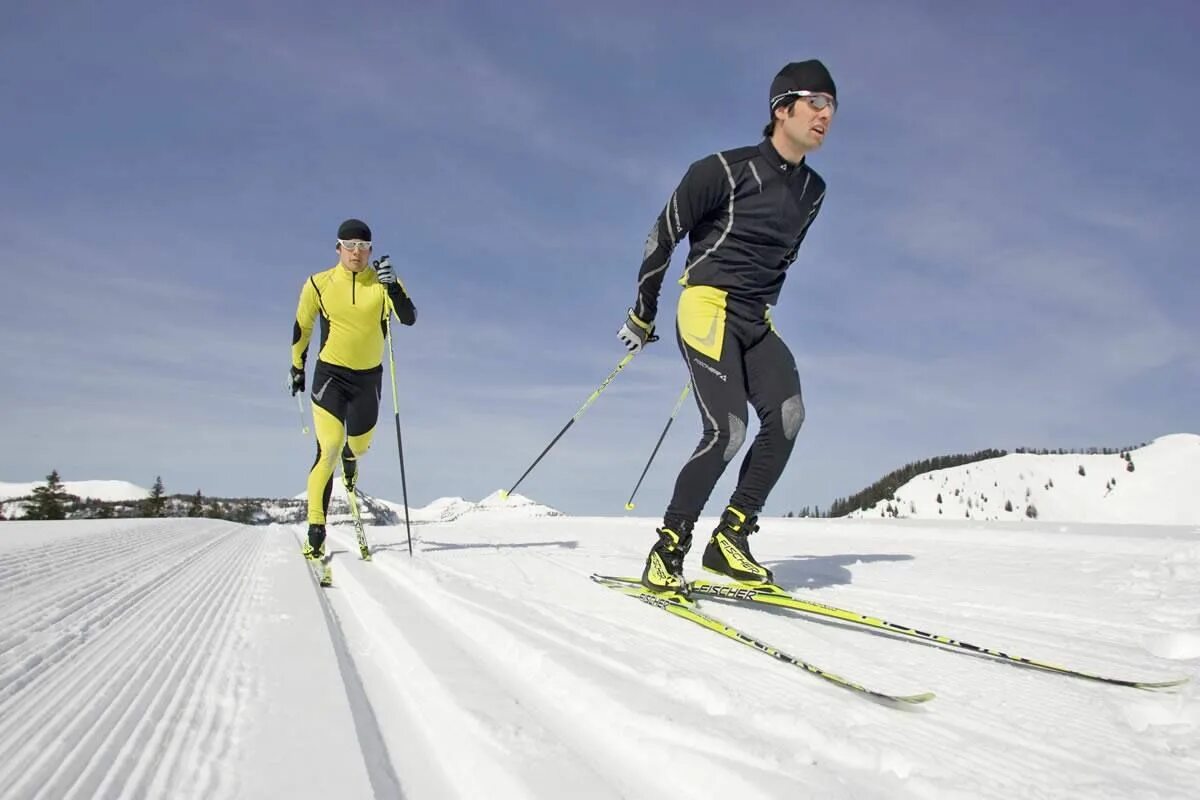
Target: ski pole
<point>687,387</point>
<point>303,421</point>
<point>396,409</point>
<point>571,421</point>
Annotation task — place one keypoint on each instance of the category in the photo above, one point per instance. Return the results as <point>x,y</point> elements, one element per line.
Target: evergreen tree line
<point>885,488</point>
<point>1090,451</point>
<point>814,511</point>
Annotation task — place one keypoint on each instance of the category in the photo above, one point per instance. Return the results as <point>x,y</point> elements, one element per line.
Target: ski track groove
<point>94,704</point>
<point>109,689</point>
<point>182,694</point>
<point>430,641</point>
<point>58,558</point>
<point>77,589</point>
<point>29,666</point>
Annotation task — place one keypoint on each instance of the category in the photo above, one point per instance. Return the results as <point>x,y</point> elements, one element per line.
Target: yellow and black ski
<point>364,550</point>
<point>770,595</point>
<point>685,608</point>
<point>321,568</point>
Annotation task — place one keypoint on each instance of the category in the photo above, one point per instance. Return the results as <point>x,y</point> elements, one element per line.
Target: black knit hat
<point>354,229</point>
<point>809,76</point>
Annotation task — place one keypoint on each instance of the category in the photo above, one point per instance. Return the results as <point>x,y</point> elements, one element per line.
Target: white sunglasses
<point>814,99</point>
<point>354,244</point>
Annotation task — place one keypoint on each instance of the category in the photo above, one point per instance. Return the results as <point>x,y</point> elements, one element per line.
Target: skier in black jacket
<point>746,212</point>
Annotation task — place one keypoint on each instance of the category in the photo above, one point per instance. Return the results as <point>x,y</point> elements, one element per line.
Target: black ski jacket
<point>747,211</point>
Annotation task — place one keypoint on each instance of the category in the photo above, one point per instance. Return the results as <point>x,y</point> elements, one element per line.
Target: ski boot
<point>664,564</point>
<point>349,474</point>
<point>314,546</point>
<point>728,551</point>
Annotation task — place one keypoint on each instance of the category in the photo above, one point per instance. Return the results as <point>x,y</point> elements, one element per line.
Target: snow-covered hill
<point>98,490</point>
<point>198,659</point>
<point>1160,487</point>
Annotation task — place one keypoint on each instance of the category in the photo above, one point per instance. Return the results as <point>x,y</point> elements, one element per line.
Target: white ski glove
<point>636,333</point>
<point>384,272</point>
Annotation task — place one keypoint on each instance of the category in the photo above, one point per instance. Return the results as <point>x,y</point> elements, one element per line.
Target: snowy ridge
<point>446,509</point>
<point>449,509</point>
<point>187,658</point>
<point>1159,489</point>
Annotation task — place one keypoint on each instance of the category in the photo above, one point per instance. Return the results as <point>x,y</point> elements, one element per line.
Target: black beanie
<point>808,76</point>
<point>354,229</point>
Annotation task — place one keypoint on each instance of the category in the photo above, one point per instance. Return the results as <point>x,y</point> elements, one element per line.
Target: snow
<point>197,658</point>
<point>99,490</point>
<point>1165,472</point>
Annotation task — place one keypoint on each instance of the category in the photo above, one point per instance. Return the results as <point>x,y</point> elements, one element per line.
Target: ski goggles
<point>816,100</point>
<point>354,244</point>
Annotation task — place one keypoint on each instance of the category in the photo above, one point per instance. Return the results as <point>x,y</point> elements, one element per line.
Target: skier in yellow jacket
<point>354,300</point>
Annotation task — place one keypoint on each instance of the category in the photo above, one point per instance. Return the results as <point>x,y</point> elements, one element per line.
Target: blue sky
<point>1006,255</point>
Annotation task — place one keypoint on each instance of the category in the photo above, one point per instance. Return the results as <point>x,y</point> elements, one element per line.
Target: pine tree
<point>196,508</point>
<point>1008,505</point>
<point>156,503</point>
<point>49,501</point>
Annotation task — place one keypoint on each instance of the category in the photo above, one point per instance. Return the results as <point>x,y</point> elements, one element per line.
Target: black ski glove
<point>297,380</point>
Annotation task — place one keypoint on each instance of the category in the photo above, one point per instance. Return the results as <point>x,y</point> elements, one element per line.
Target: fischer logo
<point>727,591</point>
<point>737,556</point>
<point>710,368</point>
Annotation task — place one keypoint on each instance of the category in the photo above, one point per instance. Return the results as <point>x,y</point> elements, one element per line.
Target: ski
<point>364,550</point>
<point>765,594</point>
<point>685,608</point>
<point>321,568</point>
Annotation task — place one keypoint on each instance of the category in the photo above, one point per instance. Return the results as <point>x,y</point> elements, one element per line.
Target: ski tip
<point>914,699</point>
<point>598,578</point>
<point>1170,684</point>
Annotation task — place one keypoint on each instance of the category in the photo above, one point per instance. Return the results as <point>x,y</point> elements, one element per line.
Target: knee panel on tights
<point>737,437</point>
<point>793,416</point>
<point>359,444</point>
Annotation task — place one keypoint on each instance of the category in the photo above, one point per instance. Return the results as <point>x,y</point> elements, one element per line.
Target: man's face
<point>805,125</point>
<point>354,253</point>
